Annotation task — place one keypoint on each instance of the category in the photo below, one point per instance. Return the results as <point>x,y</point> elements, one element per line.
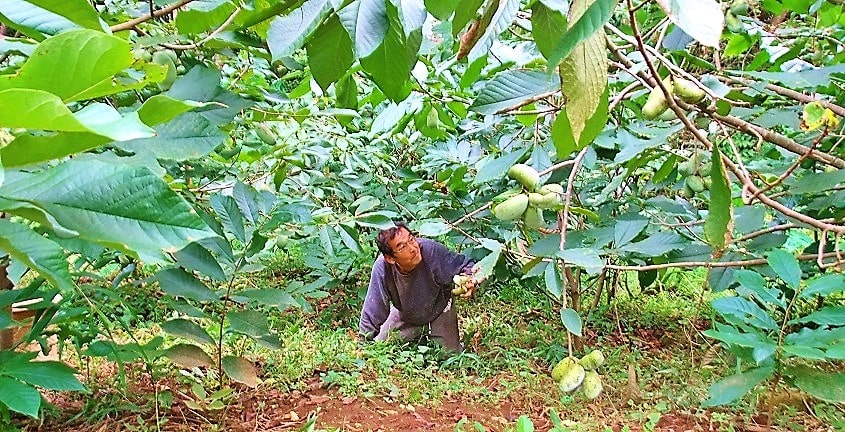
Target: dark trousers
<point>443,330</point>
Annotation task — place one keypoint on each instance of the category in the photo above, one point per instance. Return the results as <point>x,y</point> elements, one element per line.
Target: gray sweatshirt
<point>420,296</point>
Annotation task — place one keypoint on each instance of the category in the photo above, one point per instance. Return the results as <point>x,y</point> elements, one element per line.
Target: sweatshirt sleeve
<point>376,304</point>
<point>446,264</point>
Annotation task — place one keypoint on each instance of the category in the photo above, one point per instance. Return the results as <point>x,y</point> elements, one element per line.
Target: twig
<point>527,102</point>
<point>128,25</point>
<point>711,264</point>
<point>792,94</point>
<point>791,169</point>
<point>210,36</point>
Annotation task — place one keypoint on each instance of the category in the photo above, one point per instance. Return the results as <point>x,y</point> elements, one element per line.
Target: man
<point>411,289</point>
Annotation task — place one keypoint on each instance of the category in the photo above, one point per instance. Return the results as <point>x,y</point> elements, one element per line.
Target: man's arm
<point>376,304</point>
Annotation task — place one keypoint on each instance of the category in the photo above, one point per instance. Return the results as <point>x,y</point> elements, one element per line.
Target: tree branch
<point>708,264</point>
<point>128,25</point>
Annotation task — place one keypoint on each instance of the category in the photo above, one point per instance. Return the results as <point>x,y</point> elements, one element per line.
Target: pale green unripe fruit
<point>592,360</point>
<point>562,366</point>
<point>525,175</point>
<point>591,386</point>
<point>572,378</point>
<point>511,208</point>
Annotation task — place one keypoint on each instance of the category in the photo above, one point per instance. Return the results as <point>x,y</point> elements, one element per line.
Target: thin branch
<point>527,102</point>
<point>792,94</point>
<point>791,168</point>
<point>128,25</point>
<point>708,264</point>
<point>210,36</point>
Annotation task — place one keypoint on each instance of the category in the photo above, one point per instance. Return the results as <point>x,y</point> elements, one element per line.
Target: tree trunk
<point>6,284</point>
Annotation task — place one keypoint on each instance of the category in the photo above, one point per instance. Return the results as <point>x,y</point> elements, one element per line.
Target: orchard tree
<point>170,148</point>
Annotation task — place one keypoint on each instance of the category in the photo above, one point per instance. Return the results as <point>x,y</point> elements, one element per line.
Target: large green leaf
<point>79,12</point>
<point>39,253</point>
<point>188,136</point>
<point>37,109</point>
<point>786,266</point>
<point>755,284</point>
<point>547,26</point>
<point>554,283</point>
<point>19,397</point>
<point>488,263</point>
<point>32,20</point>
<point>441,9</point>
<point>288,33</point>
<point>590,21</point>
<point>701,19</point>
<point>123,207</point>
<point>625,230</point>
<point>230,215</point>
<point>240,370</point>
<point>162,108</point>
<point>330,53</point>
<point>587,258</point>
<point>391,62</point>
<point>657,244</point>
<point>583,76</point>
<point>571,320</point>
<point>563,136</point>
<point>249,322</point>
<point>734,386</point>
<point>824,285</point>
<point>511,87</point>
<point>719,212</point>
<point>827,386</point>
<point>178,282</point>
<point>88,58</point>
<point>200,16</point>
<point>187,329</point>
<point>367,24</point>
<point>496,168</point>
<point>202,84</point>
<point>188,356</point>
<point>829,315</point>
<point>196,257</point>
<point>28,149</point>
<point>51,375</point>
<point>741,311</point>
<point>270,297</point>
<point>812,183</point>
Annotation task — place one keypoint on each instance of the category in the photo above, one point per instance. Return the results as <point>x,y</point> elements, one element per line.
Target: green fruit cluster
<point>460,281</point>
<point>528,201</point>
<point>696,174</point>
<point>657,103</point>
<point>572,374</point>
<point>168,59</point>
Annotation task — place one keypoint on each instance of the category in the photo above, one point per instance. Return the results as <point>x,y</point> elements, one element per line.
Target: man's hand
<point>465,284</point>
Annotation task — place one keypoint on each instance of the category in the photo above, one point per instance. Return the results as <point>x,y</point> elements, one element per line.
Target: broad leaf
<point>591,20</point>
<point>202,84</point>
<point>657,244</point>
<point>288,33</point>
<point>189,356</point>
<point>179,283</point>
<point>230,215</point>
<point>719,212</point>
<point>391,62</point>
<point>824,285</point>
<point>583,77</point>
<point>740,310</point>
<point>124,207</point>
<point>786,266</point>
<point>586,258</point>
<point>29,149</point>
<point>754,283</point>
<point>162,108</point>
<point>563,136</point>
<point>241,370</point>
<point>89,58</point>
<point>803,352</point>
<point>187,329</point>
<point>249,322</point>
<point>19,397</point>
<point>32,20</point>
<point>196,257</point>
<point>40,110</point>
<point>701,19</point>
<point>367,24</point>
<point>547,27</point>
<point>733,387</point>
<point>829,315</point>
<point>330,53</point>
<point>189,136</point>
<point>812,183</point>
<point>200,16</point>
<point>270,297</point>
<point>553,280</point>
<point>626,230</point>
<point>37,252</point>
<point>486,265</point>
<point>51,375</point>
<point>512,87</point>
<point>441,9</point>
<point>495,169</point>
<point>80,12</point>
<point>827,386</point>
<point>571,320</point>
<point>505,13</point>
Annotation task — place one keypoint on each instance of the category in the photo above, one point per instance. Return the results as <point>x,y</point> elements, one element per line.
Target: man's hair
<point>386,235</point>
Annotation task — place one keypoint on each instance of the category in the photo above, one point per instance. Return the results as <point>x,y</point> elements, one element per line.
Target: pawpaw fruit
<point>265,134</point>
<point>733,23</point>
<point>555,188</point>
<point>535,198</point>
<point>695,183</point>
<point>592,360</point>
<point>164,59</point>
<point>511,208</point>
<point>688,91</point>
<point>739,7</point>
<point>431,119</point>
<point>562,366</point>
<point>591,385</point>
<point>572,378</point>
<point>685,168</point>
<point>534,218</point>
<point>525,175</point>
<point>657,103</point>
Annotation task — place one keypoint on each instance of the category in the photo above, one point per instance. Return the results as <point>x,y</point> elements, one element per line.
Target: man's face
<point>406,251</point>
